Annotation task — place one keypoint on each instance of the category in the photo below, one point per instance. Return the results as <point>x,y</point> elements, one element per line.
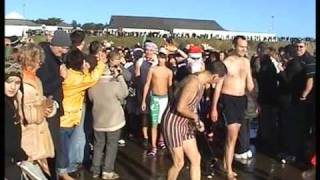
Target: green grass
<point>217,44</point>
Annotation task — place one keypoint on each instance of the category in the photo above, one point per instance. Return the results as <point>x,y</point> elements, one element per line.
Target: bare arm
<point>146,89</point>
<point>170,88</point>
<point>182,53</point>
<point>250,84</point>
<point>215,99</point>
<point>170,79</point>
<point>187,94</point>
<point>137,70</point>
<point>308,88</point>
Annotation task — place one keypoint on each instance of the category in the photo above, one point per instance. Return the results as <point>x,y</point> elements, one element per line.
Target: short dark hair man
<point>233,97</point>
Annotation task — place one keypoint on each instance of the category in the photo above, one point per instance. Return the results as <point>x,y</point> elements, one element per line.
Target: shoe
<point>285,159</point>
<point>130,136</point>
<point>95,175</point>
<point>66,176</point>
<point>145,143</point>
<point>249,154</point>
<point>152,152</point>
<point>291,159</point>
<point>122,142</point>
<point>75,175</point>
<point>309,174</point>
<point>241,156</point>
<point>110,175</point>
<point>162,145</point>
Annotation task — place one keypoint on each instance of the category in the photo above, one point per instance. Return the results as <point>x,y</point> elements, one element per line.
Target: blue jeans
<point>63,155</point>
<point>77,144</point>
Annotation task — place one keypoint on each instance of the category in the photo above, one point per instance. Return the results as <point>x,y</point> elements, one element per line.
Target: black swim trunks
<point>233,108</point>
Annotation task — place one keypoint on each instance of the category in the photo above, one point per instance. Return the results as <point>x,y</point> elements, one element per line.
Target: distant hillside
<point>217,44</point>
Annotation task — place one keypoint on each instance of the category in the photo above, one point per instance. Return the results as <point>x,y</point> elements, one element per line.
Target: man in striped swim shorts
<point>181,119</point>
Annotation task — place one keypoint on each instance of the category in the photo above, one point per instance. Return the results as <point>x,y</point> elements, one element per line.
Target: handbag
<point>37,141</point>
<point>31,171</point>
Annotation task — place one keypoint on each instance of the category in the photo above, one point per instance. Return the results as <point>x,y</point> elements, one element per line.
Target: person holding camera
<point>108,116</point>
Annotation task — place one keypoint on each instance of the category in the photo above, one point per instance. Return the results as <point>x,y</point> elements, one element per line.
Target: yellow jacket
<point>74,87</point>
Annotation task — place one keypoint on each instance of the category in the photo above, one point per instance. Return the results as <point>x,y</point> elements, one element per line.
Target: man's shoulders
<point>231,58</point>
<point>169,70</point>
<point>309,59</point>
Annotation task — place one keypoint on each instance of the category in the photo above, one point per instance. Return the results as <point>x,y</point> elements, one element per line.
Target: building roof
<point>24,22</point>
<point>21,22</point>
<point>162,23</point>
<point>63,24</point>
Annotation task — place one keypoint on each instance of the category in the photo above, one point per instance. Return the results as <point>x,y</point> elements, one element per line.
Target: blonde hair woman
<point>36,137</point>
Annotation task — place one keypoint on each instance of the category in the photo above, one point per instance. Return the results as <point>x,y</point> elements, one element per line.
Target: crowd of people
<point>69,103</point>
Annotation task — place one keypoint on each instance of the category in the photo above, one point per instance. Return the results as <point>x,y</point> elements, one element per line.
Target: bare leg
<point>145,126</point>
<point>233,130</point>
<point>161,137</point>
<point>192,152</point>
<point>178,162</point>
<point>154,135</point>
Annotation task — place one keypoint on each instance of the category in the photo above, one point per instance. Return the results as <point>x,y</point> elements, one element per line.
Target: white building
<point>185,27</point>
<point>16,25</point>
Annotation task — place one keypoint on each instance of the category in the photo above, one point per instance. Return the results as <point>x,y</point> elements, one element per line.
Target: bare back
<point>161,80</point>
<point>235,81</point>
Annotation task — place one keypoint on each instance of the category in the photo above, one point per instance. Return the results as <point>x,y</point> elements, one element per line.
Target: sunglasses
<point>300,46</point>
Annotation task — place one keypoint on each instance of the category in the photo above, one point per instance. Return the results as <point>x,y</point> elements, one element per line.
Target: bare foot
<point>231,176</point>
<point>66,177</point>
<point>231,173</point>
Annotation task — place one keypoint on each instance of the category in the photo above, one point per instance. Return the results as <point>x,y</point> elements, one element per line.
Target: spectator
<point>36,138</point>
<point>78,79</point>
<point>51,73</point>
<point>107,96</point>
<point>78,139</point>
<point>268,93</point>
<point>77,39</point>
<point>13,152</point>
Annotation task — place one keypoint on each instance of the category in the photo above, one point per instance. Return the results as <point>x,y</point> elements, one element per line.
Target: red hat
<point>195,52</point>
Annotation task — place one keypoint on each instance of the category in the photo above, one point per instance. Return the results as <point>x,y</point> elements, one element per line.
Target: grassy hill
<point>217,44</point>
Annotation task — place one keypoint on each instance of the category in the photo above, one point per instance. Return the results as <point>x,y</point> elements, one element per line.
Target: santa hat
<point>195,52</point>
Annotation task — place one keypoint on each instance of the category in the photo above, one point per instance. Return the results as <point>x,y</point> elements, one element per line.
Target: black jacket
<point>296,74</point>
<point>13,150</point>
<point>267,79</point>
<point>49,74</point>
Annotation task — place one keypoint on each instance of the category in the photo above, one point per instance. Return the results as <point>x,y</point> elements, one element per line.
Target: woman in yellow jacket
<point>77,80</point>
